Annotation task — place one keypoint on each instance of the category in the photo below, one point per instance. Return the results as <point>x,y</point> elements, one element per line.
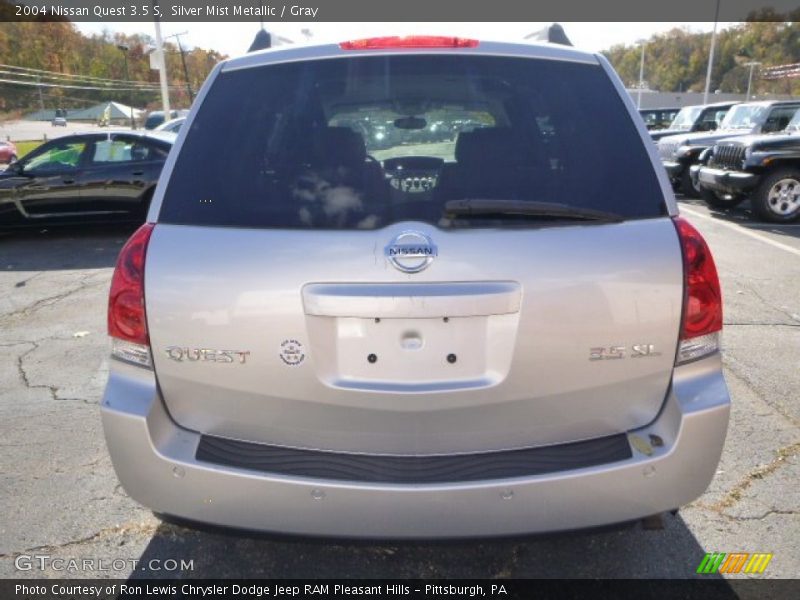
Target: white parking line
<point>742,230</point>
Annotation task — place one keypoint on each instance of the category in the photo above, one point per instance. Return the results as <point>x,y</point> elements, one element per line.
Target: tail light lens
<point>410,41</point>
<point>127,322</point>
<point>702,302</point>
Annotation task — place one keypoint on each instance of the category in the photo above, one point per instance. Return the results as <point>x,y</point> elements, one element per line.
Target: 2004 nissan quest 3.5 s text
<point>415,297</point>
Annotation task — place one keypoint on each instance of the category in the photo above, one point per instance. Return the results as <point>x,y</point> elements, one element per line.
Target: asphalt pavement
<point>60,496</point>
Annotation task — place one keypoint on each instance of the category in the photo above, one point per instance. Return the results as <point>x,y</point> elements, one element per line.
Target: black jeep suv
<point>697,118</point>
<point>680,152</point>
<point>763,168</point>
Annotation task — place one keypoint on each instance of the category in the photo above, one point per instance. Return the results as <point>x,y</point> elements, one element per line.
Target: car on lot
<point>8,152</point>
<point>59,122</point>
<point>171,126</point>
<point>493,334</point>
<point>702,117</point>
<point>679,152</point>
<point>762,168</point>
<point>658,118</point>
<point>83,178</point>
<point>157,117</point>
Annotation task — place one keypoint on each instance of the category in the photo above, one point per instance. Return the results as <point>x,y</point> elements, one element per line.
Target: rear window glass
<point>360,143</point>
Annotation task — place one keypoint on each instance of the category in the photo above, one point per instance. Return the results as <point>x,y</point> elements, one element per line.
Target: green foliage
<point>676,61</point>
<point>60,47</point>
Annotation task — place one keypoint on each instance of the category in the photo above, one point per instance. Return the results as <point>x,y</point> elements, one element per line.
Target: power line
<point>131,84</point>
<point>74,87</point>
<point>57,75</point>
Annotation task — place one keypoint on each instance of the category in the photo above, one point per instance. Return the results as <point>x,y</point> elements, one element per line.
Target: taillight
<point>409,41</point>
<point>702,302</point>
<point>127,323</point>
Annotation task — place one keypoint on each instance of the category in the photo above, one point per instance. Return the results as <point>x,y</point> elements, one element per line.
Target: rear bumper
<point>723,181</point>
<point>155,461</point>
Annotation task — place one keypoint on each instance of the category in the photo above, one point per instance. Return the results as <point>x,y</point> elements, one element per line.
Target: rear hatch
<point>361,254</point>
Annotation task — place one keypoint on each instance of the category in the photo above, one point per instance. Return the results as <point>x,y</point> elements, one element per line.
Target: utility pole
<point>125,48</point>
<point>751,64</point>
<point>162,64</point>
<point>177,37</point>
<point>641,75</point>
<point>711,55</point>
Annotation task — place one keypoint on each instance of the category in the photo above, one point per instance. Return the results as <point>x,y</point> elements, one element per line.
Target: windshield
<point>388,133</point>
<point>743,116</point>
<point>363,142</point>
<point>685,118</point>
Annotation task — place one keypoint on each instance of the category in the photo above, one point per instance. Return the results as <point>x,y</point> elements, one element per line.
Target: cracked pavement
<point>60,496</point>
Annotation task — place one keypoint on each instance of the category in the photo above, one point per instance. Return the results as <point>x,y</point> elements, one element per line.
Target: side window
<point>146,151</point>
<point>111,151</point>
<point>779,118</point>
<point>65,156</point>
<point>122,151</point>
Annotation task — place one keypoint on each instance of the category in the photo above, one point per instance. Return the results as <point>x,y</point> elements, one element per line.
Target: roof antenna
<point>553,34</point>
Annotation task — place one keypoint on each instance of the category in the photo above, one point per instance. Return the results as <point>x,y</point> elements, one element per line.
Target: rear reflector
<point>702,303</point>
<point>410,41</point>
<point>127,322</point>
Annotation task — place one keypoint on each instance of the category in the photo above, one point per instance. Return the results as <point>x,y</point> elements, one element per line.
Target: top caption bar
<point>397,11</point>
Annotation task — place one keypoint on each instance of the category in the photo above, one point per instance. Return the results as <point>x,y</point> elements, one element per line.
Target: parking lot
<point>38,130</point>
<point>60,496</point>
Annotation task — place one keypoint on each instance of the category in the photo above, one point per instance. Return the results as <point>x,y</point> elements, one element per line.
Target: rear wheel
<point>777,198</point>
<point>720,201</point>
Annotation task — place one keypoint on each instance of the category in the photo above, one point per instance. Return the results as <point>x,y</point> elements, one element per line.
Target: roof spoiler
<point>554,34</point>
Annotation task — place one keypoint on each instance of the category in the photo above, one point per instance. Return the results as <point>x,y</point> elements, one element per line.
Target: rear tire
<point>777,198</point>
<point>715,200</point>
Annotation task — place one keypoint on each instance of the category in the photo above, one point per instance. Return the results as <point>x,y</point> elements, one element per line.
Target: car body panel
<point>212,288</point>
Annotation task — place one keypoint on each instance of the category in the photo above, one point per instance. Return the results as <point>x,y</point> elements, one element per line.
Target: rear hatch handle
<point>412,300</point>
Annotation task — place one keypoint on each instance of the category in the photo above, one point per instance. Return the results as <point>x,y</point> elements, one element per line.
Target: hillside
<point>676,61</point>
<point>60,47</point>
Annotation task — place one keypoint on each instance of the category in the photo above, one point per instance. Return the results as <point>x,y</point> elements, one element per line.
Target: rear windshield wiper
<point>486,207</point>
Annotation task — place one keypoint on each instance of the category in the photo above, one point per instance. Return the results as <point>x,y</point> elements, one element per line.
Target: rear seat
<point>491,162</point>
<point>337,158</point>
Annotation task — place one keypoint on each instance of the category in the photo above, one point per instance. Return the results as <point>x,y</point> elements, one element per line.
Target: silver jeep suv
<point>415,297</point>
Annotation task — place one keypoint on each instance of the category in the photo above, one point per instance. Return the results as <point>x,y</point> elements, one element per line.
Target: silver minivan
<point>415,296</point>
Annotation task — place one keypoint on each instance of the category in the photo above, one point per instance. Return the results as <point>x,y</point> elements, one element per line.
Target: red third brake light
<point>126,317</point>
<point>410,41</point>
<point>702,304</point>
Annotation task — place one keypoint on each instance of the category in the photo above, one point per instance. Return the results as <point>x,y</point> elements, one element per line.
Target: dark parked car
<point>701,117</point>
<point>93,177</point>
<point>156,118</point>
<point>764,168</point>
<point>171,126</point>
<point>658,118</point>
<point>680,152</point>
